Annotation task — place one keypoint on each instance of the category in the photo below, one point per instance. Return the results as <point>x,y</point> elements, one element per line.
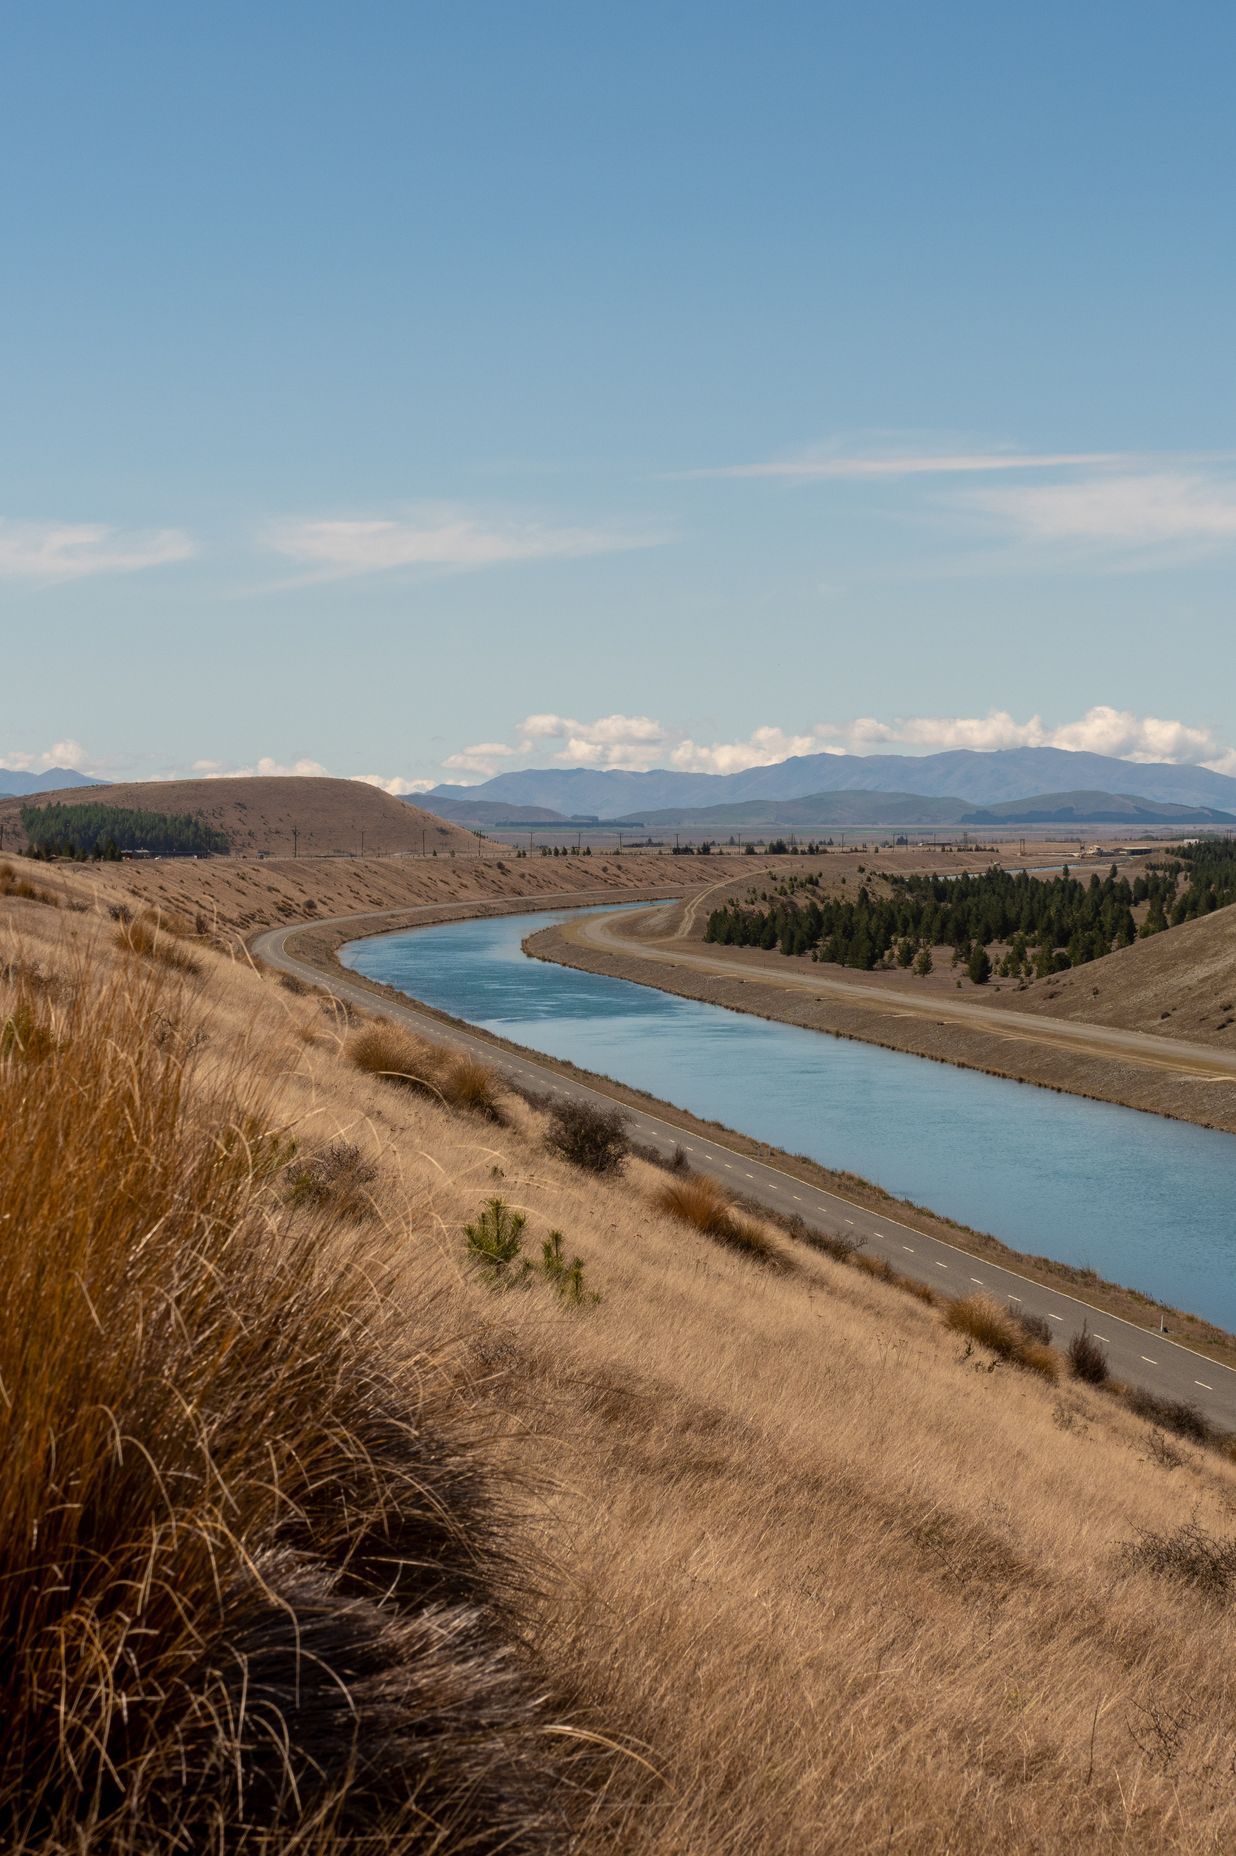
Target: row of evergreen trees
<point>99,831</point>
<point>1044,924</point>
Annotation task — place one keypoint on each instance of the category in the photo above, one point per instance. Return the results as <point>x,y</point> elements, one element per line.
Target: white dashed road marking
<point>1149,1361</point>
<point>1052,1317</point>
<point>1203,1385</point>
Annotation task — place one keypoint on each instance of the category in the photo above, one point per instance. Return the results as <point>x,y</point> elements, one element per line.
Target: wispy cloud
<point>1143,510</point>
<point>331,548</point>
<point>851,466</point>
<point>51,551</point>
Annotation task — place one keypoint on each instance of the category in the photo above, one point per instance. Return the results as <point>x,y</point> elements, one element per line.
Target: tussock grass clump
<point>149,936</point>
<point>254,1581</point>
<point>455,1078</point>
<point>1088,1358</point>
<point>23,890</point>
<point>986,1322</point>
<point>1188,1555</point>
<point>700,1202</point>
<point>592,1138</point>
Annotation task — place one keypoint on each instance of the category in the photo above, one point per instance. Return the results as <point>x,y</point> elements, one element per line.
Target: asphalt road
<point>1137,1356</point>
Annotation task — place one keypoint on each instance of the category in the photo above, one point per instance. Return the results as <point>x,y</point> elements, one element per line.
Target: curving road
<point>1137,1355</point>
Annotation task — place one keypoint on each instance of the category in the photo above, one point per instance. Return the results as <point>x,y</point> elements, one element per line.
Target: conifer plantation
<point>1044,924</point>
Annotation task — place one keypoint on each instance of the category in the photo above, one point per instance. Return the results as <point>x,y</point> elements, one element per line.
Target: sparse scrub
<point>339,1177</point>
<point>1178,1415</point>
<point>1188,1555</point>
<point>594,1139</point>
<point>1088,1358</point>
<point>986,1322</point>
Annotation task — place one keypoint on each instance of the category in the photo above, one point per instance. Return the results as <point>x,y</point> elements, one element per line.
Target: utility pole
<point>362,841</point>
<point>296,840</point>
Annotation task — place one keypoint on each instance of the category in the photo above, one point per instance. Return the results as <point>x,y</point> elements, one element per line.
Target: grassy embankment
<point>323,1518</point>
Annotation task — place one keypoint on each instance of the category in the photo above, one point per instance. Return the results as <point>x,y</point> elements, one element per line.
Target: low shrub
<point>1087,1359</point>
<point>1188,1555</point>
<point>338,1178</point>
<point>1178,1415</point>
<point>592,1138</point>
<point>1034,1327</point>
<point>986,1322</point>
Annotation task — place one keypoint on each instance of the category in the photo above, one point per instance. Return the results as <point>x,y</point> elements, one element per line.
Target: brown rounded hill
<point>276,817</point>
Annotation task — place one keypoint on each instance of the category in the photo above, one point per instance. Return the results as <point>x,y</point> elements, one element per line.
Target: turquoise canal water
<point>1140,1199</point>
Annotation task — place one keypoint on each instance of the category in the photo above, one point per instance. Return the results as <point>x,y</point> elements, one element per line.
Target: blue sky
<point>419,390</point>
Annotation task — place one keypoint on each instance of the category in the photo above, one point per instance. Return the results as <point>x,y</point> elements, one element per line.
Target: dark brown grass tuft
<point>986,1322</point>
<point>254,1580</point>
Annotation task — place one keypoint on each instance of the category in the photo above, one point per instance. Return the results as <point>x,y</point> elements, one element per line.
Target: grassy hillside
<point>317,817</point>
<point>315,1534</point>
<point>1182,984</point>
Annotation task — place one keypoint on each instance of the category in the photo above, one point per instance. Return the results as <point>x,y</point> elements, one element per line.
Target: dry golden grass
<point>155,938</point>
<point>828,1581</point>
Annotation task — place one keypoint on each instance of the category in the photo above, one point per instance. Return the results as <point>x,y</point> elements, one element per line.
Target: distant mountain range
<point>980,779</point>
<point>821,811</point>
<point>54,780</point>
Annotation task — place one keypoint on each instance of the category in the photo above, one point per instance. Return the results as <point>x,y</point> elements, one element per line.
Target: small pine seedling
<point>567,1278</point>
<point>496,1240</point>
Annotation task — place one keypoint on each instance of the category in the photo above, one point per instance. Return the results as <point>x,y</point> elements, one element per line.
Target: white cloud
<point>630,741</point>
<point>435,537</point>
<point>264,768</point>
<point>397,788</point>
<point>637,743</point>
<point>762,748</point>
<point>51,551</point>
<point>1143,510</point>
<point>60,754</point>
<point>833,463</point>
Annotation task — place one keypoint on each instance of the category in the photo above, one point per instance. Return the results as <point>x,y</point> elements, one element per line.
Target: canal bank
<point>1105,1193</point>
